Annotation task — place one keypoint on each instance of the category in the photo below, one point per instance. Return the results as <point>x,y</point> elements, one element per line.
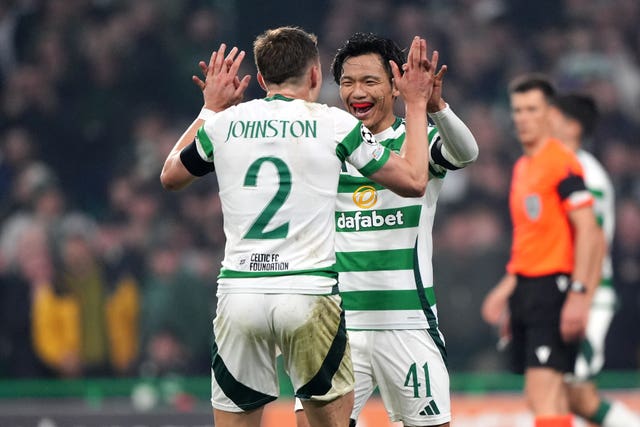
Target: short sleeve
<point>357,145</point>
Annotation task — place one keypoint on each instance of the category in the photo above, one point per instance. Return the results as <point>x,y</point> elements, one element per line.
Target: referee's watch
<point>578,287</point>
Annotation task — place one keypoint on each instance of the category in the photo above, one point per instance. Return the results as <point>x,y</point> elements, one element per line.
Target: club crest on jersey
<point>533,206</point>
<point>365,196</point>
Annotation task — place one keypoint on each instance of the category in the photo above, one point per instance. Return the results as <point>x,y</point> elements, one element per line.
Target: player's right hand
<point>222,87</point>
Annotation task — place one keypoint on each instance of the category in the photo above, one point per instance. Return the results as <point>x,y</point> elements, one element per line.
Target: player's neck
<point>291,92</point>
<point>382,125</point>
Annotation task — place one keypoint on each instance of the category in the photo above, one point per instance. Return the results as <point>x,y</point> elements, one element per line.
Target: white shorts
<point>591,356</point>
<point>308,329</point>
<point>410,371</point>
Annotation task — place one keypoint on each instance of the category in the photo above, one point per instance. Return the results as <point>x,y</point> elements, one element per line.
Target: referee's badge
<point>533,206</point>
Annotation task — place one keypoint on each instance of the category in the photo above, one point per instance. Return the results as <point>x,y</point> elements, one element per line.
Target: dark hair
<point>284,53</point>
<point>581,108</point>
<point>362,44</point>
<point>533,81</point>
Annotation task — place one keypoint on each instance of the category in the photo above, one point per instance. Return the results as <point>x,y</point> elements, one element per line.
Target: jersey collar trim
<point>397,123</point>
<point>278,97</point>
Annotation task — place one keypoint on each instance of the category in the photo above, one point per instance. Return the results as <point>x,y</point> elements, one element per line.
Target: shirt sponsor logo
<point>533,206</point>
<point>365,196</point>
<point>368,220</point>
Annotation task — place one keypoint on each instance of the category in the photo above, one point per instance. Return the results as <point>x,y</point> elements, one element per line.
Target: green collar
<point>278,97</point>
<point>397,123</point>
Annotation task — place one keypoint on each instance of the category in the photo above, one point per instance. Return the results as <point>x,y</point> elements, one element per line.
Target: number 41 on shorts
<point>412,381</point>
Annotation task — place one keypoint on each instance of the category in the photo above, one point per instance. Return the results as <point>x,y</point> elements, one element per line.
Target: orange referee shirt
<point>544,188</point>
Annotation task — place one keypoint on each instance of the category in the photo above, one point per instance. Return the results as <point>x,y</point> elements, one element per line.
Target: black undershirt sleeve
<point>193,162</point>
<point>438,158</point>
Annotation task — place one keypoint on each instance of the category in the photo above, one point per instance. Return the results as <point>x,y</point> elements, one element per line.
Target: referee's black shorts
<point>535,308</point>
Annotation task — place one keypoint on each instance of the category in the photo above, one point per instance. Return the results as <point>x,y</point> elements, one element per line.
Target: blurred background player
<point>556,242</point>
<point>385,272</point>
<point>573,121</point>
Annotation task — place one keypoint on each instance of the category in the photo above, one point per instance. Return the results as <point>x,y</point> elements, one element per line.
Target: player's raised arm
<point>221,89</point>
<point>408,174</point>
<point>457,147</point>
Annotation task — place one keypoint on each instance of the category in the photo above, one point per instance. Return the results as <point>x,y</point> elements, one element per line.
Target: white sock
<point>620,416</point>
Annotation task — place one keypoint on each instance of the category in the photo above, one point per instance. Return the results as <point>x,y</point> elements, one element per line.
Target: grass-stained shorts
<point>310,332</point>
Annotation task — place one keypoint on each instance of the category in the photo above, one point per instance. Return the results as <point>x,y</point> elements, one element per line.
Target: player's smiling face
<point>367,92</point>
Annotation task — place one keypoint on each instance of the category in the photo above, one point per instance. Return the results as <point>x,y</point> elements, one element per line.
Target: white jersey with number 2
<point>277,161</point>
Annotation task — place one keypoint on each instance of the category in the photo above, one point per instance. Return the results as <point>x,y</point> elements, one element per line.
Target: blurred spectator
<point>20,282</point>
<point>85,321</point>
<point>16,154</point>
<point>177,316</point>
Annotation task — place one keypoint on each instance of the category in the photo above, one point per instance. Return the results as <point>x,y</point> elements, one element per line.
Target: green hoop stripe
<point>375,165</point>
<point>349,184</point>
<point>386,300</point>
<point>226,273</point>
<point>394,259</point>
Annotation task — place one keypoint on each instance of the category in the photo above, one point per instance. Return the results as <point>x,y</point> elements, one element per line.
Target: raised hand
<point>436,103</point>
<point>222,87</point>
<point>416,84</point>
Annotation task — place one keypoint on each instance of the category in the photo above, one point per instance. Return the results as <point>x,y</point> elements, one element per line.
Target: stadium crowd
<point>102,273</point>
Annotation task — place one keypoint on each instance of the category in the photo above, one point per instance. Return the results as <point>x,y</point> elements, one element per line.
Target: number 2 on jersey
<point>250,180</point>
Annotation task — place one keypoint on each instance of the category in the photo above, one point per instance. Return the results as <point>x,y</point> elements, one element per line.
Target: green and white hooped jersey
<point>384,246</point>
<point>277,161</point>
<point>599,184</point>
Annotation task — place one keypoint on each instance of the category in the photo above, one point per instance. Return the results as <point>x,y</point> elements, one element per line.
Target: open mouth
<point>360,109</point>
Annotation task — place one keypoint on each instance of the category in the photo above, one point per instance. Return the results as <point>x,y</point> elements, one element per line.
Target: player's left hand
<point>436,103</point>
